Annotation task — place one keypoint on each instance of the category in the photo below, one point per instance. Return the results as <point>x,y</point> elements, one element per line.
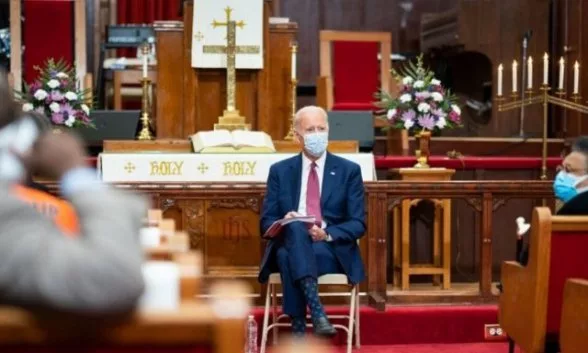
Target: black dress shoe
<point>322,327</point>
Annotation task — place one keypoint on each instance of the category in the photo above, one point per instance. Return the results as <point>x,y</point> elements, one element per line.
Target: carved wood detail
<point>251,203</point>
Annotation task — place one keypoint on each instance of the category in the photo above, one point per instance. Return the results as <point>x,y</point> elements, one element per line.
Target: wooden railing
<point>485,197</point>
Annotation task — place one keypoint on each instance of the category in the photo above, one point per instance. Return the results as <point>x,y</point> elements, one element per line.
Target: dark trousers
<point>298,257</point>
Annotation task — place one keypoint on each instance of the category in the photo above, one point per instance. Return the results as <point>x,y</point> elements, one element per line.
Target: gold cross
<point>202,168</point>
<point>130,167</point>
<point>199,36</point>
<point>228,12</point>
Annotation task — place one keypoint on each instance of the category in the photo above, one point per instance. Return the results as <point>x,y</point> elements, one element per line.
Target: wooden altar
<point>191,100</point>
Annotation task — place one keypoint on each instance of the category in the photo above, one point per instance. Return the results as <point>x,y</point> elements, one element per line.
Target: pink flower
<point>56,96</point>
<point>454,117</point>
<point>57,118</point>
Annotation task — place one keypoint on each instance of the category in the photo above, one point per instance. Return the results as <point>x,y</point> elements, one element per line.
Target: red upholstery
<point>48,32</point>
<point>569,259</point>
<point>356,75</point>
<point>129,349</point>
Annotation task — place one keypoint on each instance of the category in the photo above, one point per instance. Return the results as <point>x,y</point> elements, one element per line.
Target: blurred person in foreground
<point>98,272</point>
<point>570,186</point>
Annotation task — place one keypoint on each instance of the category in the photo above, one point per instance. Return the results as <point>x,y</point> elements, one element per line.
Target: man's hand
<point>55,154</point>
<point>292,214</point>
<point>317,234</point>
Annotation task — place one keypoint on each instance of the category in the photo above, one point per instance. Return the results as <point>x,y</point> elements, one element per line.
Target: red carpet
<point>408,325</point>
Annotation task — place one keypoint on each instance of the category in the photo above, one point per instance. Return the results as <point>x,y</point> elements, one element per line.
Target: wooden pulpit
<point>190,100</point>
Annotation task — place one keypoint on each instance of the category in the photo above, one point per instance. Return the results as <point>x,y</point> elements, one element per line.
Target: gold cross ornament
<point>129,167</point>
<point>228,12</point>
<point>202,168</point>
<point>199,36</point>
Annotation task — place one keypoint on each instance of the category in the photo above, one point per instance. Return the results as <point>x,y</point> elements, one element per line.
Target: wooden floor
<point>423,293</point>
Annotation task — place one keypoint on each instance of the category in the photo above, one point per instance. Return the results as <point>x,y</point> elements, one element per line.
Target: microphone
<point>528,34</point>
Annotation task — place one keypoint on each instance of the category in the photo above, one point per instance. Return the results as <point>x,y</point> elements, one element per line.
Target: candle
<point>499,93</point>
<point>144,64</point>
<point>561,74</point>
<point>294,47</point>
<point>545,69</point>
<point>514,76</point>
<point>530,73</point>
<point>576,77</point>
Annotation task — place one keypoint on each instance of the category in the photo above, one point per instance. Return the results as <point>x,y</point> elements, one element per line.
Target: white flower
<point>435,82</point>
<point>423,107</point>
<point>407,80</point>
<point>40,94</point>
<point>441,123</point>
<point>27,107</point>
<point>408,123</point>
<point>71,96</point>
<point>53,83</point>
<point>419,84</point>
<point>61,75</point>
<point>437,97</point>
<point>456,109</point>
<point>70,121</point>
<point>405,98</point>
<point>85,109</point>
<point>54,107</point>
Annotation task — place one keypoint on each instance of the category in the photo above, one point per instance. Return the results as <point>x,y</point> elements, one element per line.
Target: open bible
<point>236,141</point>
<point>277,226</point>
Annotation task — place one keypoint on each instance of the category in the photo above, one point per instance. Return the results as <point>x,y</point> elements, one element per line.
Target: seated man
<point>314,183</point>
<point>570,185</point>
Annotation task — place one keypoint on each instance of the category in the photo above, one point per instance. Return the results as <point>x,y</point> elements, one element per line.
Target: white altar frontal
<point>194,168</point>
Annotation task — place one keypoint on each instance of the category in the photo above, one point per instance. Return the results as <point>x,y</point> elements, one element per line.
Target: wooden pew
<point>530,305</point>
<point>195,328</point>
<point>574,317</point>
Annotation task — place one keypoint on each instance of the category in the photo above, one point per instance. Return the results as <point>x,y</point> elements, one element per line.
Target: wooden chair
<point>574,317</point>
<point>349,70</point>
<point>531,302</point>
<point>127,83</point>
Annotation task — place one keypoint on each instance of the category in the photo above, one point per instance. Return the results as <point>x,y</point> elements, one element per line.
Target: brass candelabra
<point>544,98</point>
<point>293,85</point>
<point>145,132</point>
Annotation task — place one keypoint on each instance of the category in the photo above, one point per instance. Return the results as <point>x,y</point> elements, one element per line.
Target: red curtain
<point>145,12</point>
<point>48,32</point>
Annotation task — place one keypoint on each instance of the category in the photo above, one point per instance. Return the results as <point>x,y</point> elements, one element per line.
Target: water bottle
<point>251,335</point>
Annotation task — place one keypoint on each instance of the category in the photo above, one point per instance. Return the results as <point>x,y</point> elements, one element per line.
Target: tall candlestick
<point>561,73</point>
<point>545,69</point>
<point>576,77</point>
<point>499,93</point>
<point>293,50</point>
<point>514,76</point>
<point>530,73</point>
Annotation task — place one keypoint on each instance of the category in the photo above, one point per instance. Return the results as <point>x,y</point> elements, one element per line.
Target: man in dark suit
<point>570,185</point>
<point>314,183</point>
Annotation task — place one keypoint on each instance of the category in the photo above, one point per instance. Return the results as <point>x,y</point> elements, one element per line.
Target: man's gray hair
<point>308,110</point>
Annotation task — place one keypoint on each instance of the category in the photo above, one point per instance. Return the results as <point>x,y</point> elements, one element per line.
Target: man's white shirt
<point>320,170</point>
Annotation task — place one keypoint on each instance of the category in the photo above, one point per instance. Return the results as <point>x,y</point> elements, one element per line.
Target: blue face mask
<point>315,143</point>
<point>564,185</point>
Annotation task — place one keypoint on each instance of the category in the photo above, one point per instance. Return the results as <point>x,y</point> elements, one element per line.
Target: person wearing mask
<point>98,272</point>
<point>570,186</point>
<point>330,188</point>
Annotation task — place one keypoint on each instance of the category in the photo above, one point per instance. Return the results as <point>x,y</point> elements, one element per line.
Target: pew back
<point>530,305</point>
<point>574,318</point>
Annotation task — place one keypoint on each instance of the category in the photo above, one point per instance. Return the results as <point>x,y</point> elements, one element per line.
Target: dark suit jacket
<point>342,207</point>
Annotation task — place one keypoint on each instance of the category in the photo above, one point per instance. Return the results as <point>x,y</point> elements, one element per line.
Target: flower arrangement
<point>56,95</point>
<point>422,104</point>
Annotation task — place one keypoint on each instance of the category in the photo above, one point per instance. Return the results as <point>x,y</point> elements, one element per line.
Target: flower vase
<point>423,153</point>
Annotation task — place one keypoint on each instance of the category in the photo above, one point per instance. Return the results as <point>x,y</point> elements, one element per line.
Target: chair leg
<point>266,314</point>
<point>357,319</point>
<point>351,324</point>
<point>511,345</point>
<point>274,314</point>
